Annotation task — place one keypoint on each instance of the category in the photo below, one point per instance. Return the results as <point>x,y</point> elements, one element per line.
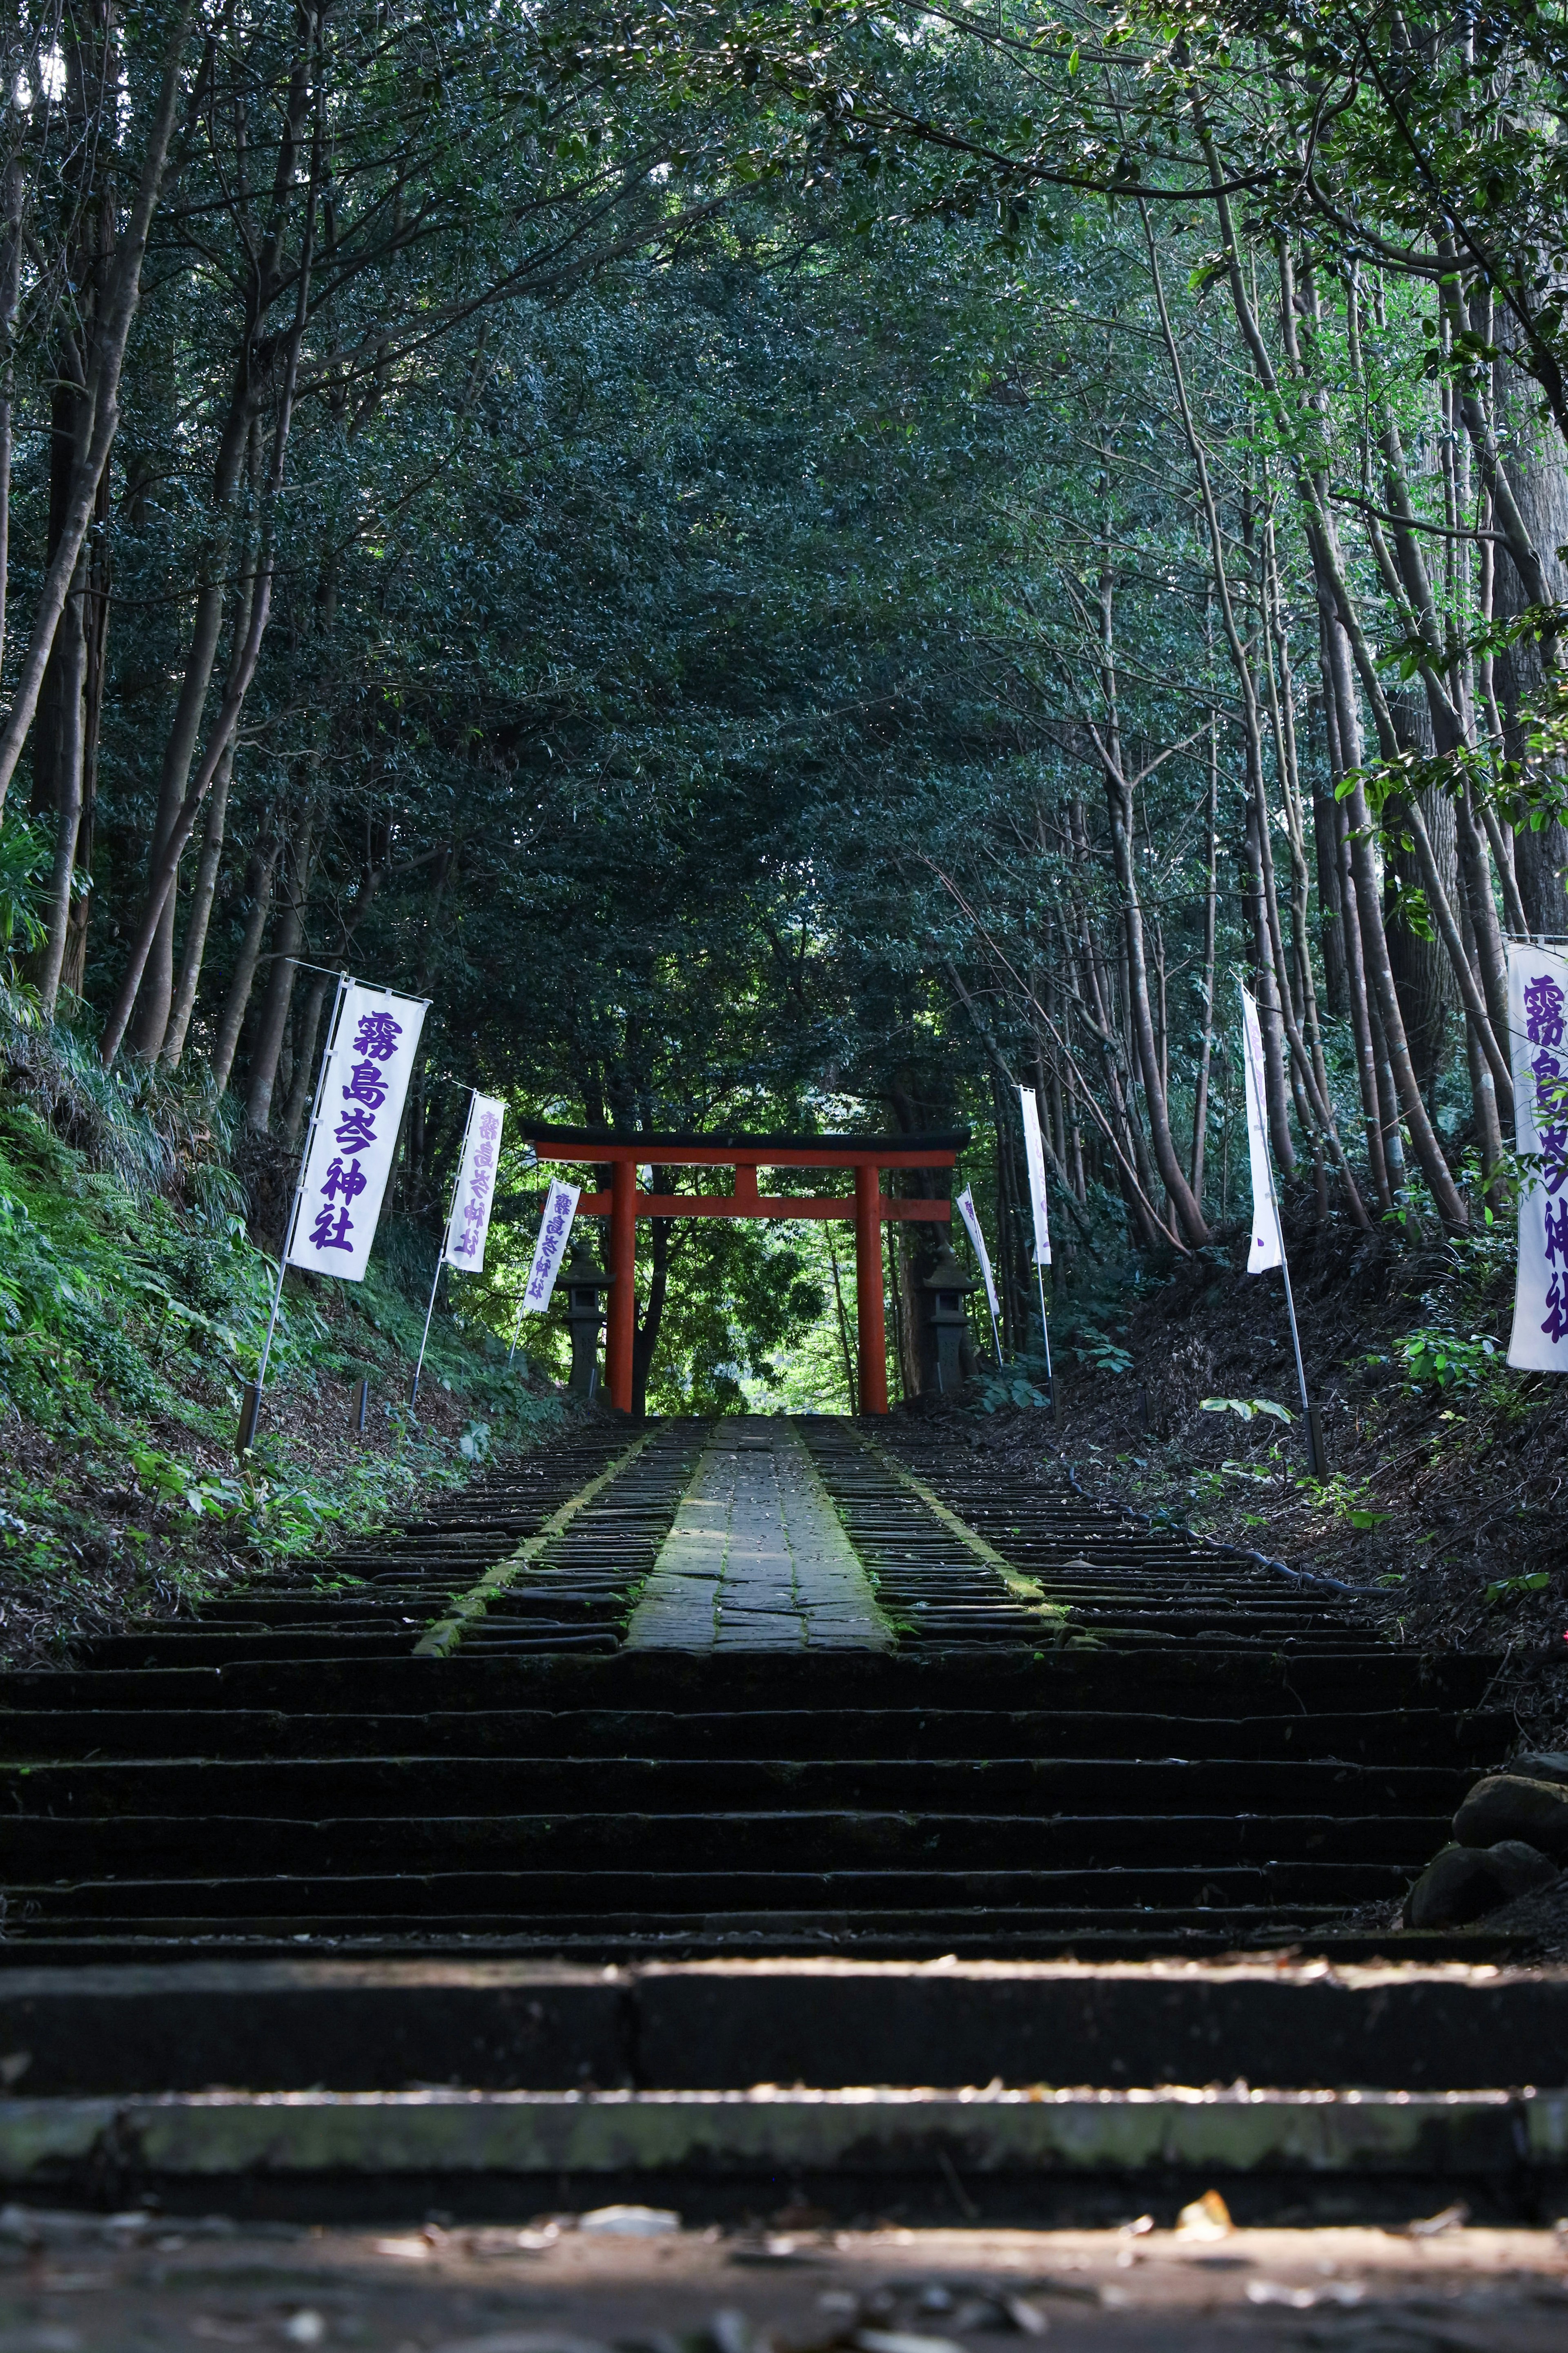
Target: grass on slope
<point>129,1321</point>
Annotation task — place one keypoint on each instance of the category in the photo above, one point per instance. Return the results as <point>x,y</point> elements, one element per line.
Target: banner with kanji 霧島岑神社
<point>554,1230</point>
<point>1537,1028</point>
<point>369,1064</point>
<point>469,1222</point>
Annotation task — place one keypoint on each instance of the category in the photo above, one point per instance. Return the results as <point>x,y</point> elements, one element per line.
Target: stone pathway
<point>757,1558</point>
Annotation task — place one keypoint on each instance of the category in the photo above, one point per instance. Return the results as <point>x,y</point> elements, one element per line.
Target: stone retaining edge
<point>725,2133</point>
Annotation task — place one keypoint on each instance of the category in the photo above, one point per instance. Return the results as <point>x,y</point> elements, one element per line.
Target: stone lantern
<point>943,1322</point>
<point>584,1279</point>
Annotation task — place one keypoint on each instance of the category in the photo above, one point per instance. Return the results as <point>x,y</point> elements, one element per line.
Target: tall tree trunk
<point>199,918</point>
<point>13,198</point>
<point>1301,1063</point>
<point>286,945</point>
<point>1329,569</point>
<point>1325,841</point>
<point>305,1059</point>
<point>259,890</point>
<point>1360,1025</point>
<point>70,665</point>
<point>1211,913</point>
<point>122,294</point>
<point>1421,973</point>
<point>154,981</point>
<point>1139,1011</point>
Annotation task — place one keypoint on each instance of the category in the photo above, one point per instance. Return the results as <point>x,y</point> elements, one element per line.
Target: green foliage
<point>24,865</point>
<point>1442,1360</point>
<point>1514,1589</point>
<point>1247,1409</point>
<point>1009,1388</point>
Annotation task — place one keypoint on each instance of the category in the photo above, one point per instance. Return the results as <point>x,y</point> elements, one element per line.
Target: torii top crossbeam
<point>623,1204</point>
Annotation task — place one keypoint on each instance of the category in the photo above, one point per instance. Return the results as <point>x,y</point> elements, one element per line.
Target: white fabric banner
<point>554,1227</point>
<point>1267,1242</point>
<point>369,1065</point>
<point>1034,1157</point>
<point>469,1222</point>
<point>1538,1028</point>
<point>965,1208</point>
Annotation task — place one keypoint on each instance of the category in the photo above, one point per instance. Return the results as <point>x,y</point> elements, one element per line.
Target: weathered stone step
<point>1412,1737</point>
<point>454,1895</point>
<point>1179,1681</point>
<point>715,1839</point>
<point>290,2025</point>
<point>745,2142</point>
<point>108,1787</point>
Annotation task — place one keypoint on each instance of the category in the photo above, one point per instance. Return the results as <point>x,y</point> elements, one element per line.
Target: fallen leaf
<point>1207,2217</point>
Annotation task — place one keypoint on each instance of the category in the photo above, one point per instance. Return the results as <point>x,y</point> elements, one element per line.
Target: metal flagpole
<point>250,1407</point>
<point>1045,1337</point>
<point>446,1240</point>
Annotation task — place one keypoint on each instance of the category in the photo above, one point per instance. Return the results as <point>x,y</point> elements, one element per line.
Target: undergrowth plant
<point>133,1305</point>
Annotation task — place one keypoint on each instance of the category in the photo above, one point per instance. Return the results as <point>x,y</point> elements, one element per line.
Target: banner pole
<point>446,1244</point>
<point>250,1409</point>
<point>1046,1339</point>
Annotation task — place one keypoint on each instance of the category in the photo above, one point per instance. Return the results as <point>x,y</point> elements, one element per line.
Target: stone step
<point>491,2025</point>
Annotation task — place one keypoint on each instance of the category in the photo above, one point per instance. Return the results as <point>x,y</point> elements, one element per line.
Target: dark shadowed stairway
<point>524,1844</point>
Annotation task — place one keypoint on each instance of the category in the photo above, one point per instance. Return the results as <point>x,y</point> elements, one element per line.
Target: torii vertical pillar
<point>873,1333</point>
<point>620,1323</point>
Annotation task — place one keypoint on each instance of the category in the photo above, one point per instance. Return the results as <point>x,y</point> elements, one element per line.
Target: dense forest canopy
<point>798,566</point>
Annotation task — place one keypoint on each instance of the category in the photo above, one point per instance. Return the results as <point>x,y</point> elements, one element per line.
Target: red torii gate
<point>623,1205</point>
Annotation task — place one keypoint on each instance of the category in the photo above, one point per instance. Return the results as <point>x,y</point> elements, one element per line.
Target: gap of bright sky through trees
<point>797,567</point>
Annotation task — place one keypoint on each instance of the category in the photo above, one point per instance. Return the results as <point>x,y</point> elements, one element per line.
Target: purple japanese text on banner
<point>363,1086</point>
<point>473,1196</point>
<point>1538,1021</point>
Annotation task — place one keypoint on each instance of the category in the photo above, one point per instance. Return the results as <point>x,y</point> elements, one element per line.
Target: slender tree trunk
<point>286,945</point>
<point>1141,1017</point>
<point>70,657</point>
<point>178,794</point>
<point>101,396</point>
<point>1321,1109</point>
<point>305,1060</point>
<point>12,197</point>
<point>1211,911</point>
<point>259,889</point>
<point>1360,1021</point>
<point>1325,835</point>
<point>197,921</point>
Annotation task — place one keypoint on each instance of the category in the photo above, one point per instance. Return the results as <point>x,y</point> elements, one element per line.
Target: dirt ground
<point>93,2287</point>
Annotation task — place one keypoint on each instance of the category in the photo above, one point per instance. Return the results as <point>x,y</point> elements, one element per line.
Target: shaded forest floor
<point>1443,1499</point>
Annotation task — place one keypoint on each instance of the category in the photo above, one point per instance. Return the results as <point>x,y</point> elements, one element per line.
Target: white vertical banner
<point>469,1223</point>
<point>354,1135</point>
<point>1035,1159</point>
<point>1267,1241</point>
<point>965,1205</point>
<point>555,1228</point>
<point>1538,1028</point>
